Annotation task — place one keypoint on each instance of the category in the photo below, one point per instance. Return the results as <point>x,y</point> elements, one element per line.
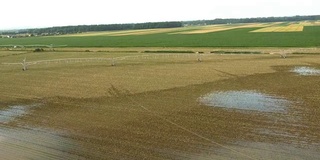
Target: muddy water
<point>306,71</point>
<point>11,113</point>
<point>19,143</point>
<point>245,100</point>
<point>31,143</point>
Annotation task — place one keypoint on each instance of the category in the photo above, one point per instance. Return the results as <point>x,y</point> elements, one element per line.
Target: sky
<point>18,14</point>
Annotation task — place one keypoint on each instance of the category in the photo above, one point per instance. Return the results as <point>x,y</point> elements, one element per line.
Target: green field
<point>241,37</point>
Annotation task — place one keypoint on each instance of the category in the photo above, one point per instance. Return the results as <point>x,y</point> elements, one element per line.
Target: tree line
<point>90,28</point>
<point>150,25</point>
<point>251,20</point>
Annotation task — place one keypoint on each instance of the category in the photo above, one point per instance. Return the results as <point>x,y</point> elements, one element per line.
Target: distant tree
<point>251,20</point>
<point>152,25</point>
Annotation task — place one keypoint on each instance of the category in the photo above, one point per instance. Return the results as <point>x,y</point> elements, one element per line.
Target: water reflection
<point>306,71</point>
<point>11,113</point>
<point>245,100</point>
<point>32,143</point>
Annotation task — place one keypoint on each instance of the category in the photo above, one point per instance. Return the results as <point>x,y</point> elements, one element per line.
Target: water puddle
<point>11,113</point>
<point>21,143</point>
<point>245,100</point>
<point>31,143</point>
<point>306,71</point>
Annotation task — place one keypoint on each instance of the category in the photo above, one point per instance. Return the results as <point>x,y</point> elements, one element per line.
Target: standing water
<point>31,143</point>
<point>11,113</point>
<point>306,71</point>
<point>245,100</point>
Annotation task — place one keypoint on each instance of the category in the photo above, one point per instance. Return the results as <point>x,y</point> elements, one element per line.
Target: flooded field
<point>226,107</point>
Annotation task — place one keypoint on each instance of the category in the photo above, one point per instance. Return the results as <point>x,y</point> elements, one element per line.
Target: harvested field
<point>125,33</point>
<point>147,31</point>
<point>187,30</point>
<point>311,23</point>
<point>290,28</point>
<point>148,105</point>
<point>217,28</point>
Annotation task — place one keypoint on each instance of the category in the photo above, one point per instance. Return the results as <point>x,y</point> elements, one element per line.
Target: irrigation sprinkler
<point>21,46</point>
<point>24,64</point>
<point>113,62</point>
<point>283,55</point>
<point>51,47</point>
<point>199,57</point>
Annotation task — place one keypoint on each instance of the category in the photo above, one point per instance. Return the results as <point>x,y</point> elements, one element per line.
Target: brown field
<point>147,105</point>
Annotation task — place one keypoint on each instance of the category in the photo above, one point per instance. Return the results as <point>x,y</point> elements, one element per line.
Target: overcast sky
<point>46,13</point>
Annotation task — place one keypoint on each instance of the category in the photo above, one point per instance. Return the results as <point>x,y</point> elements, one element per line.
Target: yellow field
<point>148,31</point>
<point>290,28</point>
<point>217,28</point>
<point>308,23</point>
<point>207,29</point>
<point>186,30</point>
<point>267,27</point>
<point>126,33</point>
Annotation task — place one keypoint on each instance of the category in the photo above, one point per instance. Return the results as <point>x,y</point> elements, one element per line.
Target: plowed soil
<point>150,109</point>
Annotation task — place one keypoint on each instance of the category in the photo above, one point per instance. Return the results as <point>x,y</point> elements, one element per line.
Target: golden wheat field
<point>290,28</point>
<point>124,103</point>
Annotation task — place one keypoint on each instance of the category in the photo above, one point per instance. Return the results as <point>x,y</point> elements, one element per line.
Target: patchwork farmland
<point>232,35</point>
<point>291,28</point>
<point>204,92</point>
